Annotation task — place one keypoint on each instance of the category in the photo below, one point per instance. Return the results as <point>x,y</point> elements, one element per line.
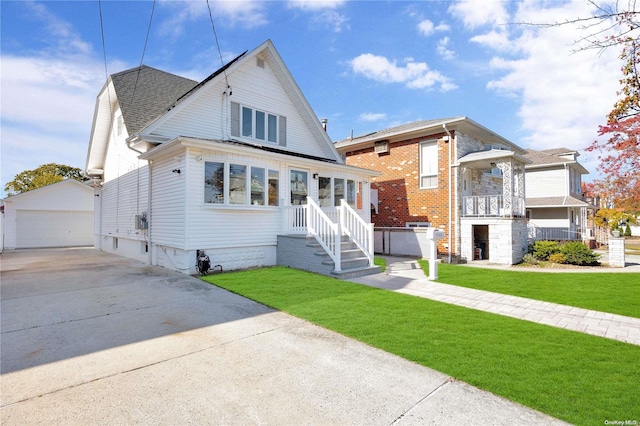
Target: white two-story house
<point>556,207</point>
<point>226,166</point>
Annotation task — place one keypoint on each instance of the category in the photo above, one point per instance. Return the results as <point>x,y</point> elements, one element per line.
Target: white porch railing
<point>492,206</point>
<point>554,234</point>
<point>329,226</point>
<point>359,231</point>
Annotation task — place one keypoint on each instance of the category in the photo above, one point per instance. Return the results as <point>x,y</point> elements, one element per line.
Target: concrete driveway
<point>93,338</point>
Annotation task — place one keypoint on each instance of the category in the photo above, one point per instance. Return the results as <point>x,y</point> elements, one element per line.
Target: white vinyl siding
<point>205,114</point>
<point>546,183</point>
<point>429,164</point>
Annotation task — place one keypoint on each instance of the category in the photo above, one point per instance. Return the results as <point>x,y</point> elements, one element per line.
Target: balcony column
<point>520,191</point>
<point>507,187</point>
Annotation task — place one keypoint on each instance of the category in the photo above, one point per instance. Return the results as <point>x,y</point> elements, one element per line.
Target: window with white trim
<point>240,184</point>
<point>332,190</point>
<point>252,123</point>
<point>429,164</point>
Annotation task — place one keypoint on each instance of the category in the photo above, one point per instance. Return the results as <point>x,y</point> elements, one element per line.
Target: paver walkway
<point>406,276</point>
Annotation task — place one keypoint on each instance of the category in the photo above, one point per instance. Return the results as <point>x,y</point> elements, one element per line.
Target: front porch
<point>328,240</point>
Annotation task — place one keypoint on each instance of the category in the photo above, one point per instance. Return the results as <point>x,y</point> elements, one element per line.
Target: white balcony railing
<point>492,206</point>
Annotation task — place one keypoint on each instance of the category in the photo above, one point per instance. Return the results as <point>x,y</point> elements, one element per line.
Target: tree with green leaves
<point>42,176</point>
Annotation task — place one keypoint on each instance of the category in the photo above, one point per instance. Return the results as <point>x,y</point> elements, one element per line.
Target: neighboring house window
<point>239,184</point>
<point>574,181</point>
<point>259,125</point>
<point>429,164</point>
<point>495,171</point>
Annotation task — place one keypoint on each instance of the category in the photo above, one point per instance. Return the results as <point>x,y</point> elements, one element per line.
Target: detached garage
<point>57,215</point>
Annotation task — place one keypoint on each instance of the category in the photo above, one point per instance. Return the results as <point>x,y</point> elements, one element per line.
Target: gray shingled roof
<point>554,202</point>
<point>380,134</point>
<point>539,158</point>
<point>155,92</point>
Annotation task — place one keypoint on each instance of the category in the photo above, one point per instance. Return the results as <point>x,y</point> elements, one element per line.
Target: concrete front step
<point>347,274</point>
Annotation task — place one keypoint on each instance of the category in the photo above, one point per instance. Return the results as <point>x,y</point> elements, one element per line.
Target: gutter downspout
<point>444,126</point>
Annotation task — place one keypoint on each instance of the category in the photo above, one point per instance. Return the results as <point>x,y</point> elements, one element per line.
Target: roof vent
<point>381,147</point>
<point>260,63</point>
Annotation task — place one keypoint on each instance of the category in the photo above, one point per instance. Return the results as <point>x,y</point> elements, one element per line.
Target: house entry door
<point>298,187</point>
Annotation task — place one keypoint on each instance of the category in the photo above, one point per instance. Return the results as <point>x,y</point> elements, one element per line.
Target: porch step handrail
<point>325,232</point>
<point>359,231</point>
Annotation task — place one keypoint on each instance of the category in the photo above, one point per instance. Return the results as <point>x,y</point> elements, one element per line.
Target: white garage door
<point>48,228</point>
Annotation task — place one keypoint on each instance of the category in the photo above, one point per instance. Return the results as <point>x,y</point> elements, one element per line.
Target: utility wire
<point>144,49</point>
<point>215,34</point>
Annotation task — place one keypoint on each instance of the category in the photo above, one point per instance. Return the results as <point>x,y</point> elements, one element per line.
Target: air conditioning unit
<point>381,147</point>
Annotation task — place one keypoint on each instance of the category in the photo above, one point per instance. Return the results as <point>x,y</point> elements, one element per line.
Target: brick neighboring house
<point>453,174</point>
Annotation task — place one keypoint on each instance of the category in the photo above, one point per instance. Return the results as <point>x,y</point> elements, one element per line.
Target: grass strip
<point>616,293</point>
<point>576,377</point>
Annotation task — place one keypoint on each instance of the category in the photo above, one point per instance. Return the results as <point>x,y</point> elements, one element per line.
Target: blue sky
<point>364,65</point>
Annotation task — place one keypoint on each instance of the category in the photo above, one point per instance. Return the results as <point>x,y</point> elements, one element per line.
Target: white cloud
<point>372,116</point>
<point>315,5</point>
<point>243,13</point>
<point>48,98</point>
<point>563,95</point>
<point>415,75</point>
<point>478,13</point>
<point>324,12</point>
<point>426,27</point>
<point>443,49</point>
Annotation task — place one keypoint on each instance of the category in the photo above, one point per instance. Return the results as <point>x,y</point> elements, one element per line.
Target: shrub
<point>543,249</point>
<point>530,259</point>
<point>579,254</point>
<point>558,258</point>
<point>627,231</point>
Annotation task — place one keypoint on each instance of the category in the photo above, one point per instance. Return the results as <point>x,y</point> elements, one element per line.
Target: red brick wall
<point>400,198</point>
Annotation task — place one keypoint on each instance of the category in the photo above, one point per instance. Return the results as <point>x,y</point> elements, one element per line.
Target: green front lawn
<point>576,377</point>
<point>616,293</point>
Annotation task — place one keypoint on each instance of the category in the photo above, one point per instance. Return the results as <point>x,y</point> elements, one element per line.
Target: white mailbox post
<point>433,235</point>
